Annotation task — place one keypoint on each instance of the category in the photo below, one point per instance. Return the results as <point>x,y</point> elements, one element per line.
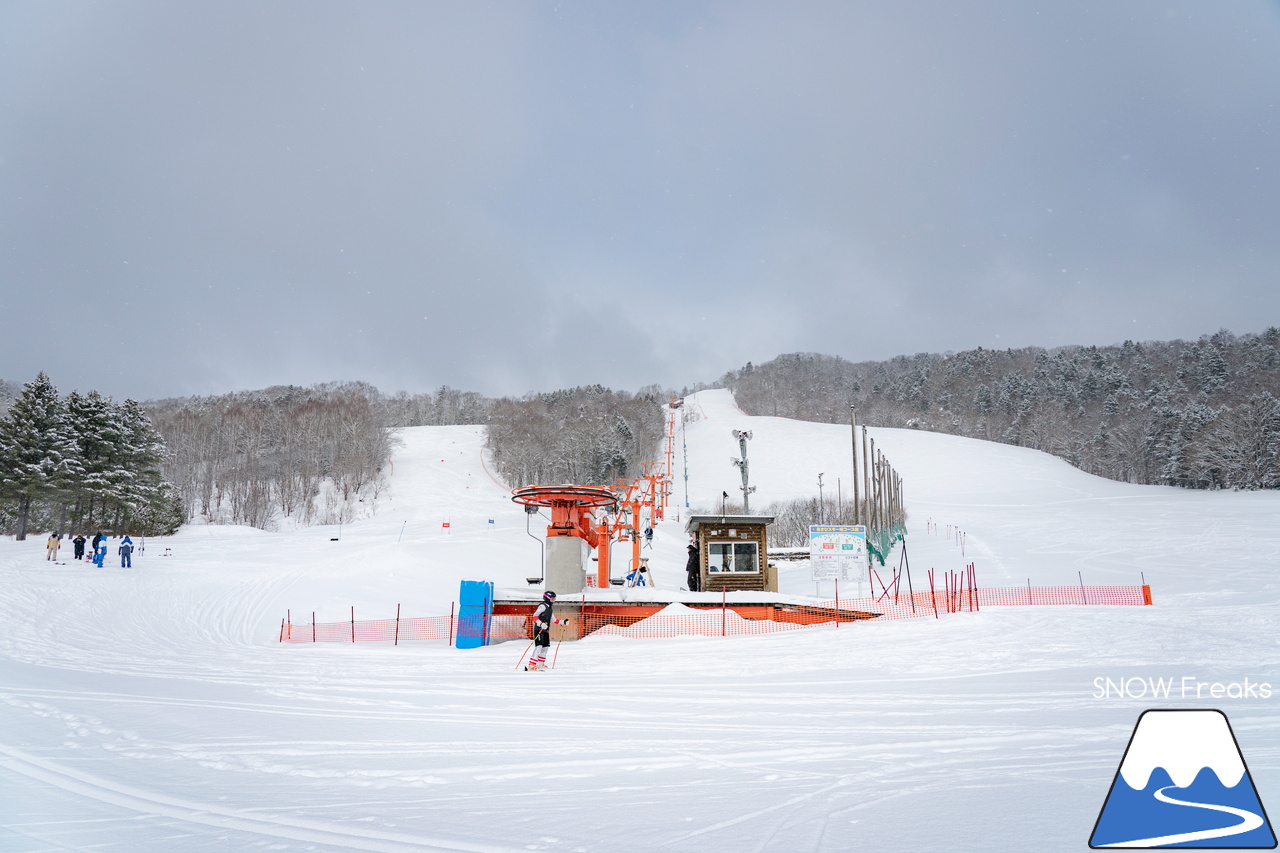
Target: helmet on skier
<point>549,595</point>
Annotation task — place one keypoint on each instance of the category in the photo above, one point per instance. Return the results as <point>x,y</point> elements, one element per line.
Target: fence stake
<point>837,602</point>
<point>932,595</point>
<point>282,630</point>
<point>313,626</point>
<point>451,623</point>
<point>353,623</point>
<point>724,607</point>
<point>1083,600</point>
<point>911,593</point>
<point>397,642</point>
<point>1029,601</point>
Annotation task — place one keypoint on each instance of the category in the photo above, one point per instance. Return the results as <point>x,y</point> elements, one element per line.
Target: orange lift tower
<point>647,491</point>
<point>574,525</point>
<point>572,529</point>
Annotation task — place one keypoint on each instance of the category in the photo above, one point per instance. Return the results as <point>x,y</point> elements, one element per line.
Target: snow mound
<point>679,620</point>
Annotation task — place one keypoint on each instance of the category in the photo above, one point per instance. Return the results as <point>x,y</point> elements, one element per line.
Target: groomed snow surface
<point>152,710</point>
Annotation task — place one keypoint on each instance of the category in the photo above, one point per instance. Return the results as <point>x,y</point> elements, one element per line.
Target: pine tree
<point>97,438</point>
<point>35,448</point>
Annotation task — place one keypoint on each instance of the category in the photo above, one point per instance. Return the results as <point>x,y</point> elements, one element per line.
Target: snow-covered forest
<point>589,435</point>
<point>254,458</point>
<point>319,455</point>
<point>1202,414</point>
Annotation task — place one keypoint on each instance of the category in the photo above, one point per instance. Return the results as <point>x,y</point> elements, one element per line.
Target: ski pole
<point>522,654</point>
<point>556,654</point>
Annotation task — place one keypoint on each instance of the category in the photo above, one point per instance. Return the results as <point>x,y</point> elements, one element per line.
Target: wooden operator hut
<point>733,552</point>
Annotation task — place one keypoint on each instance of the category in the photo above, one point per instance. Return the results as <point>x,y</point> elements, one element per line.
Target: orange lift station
<point>622,511</point>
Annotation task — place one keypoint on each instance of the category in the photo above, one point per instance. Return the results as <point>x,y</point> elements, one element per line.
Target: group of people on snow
<point>99,548</point>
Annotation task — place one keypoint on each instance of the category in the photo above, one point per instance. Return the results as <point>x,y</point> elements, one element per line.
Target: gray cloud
<point>502,197</point>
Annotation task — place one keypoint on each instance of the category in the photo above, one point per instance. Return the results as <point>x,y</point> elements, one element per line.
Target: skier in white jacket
<point>542,622</point>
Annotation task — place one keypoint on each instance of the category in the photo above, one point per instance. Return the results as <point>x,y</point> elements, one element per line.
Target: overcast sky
<point>202,197</point>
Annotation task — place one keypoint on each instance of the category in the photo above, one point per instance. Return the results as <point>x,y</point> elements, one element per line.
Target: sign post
<point>838,552</point>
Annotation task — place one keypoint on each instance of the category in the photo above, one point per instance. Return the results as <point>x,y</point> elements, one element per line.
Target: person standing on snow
<point>52,545</point>
<point>542,622</point>
<point>693,569</point>
<point>78,542</point>
<point>126,552</point>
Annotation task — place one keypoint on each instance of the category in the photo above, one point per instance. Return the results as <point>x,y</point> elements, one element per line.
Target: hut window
<point>735,557</point>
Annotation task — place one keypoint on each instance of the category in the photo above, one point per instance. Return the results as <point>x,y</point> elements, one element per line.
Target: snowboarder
<point>52,545</point>
<point>542,622</point>
<point>78,542</point>
<point>126,552</point>
<point>693,569</point>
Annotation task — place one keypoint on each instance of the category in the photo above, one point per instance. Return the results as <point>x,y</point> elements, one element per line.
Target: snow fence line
<point>711,622</point>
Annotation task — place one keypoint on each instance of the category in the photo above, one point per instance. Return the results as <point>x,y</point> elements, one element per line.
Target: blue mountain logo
<point>1183,783</point>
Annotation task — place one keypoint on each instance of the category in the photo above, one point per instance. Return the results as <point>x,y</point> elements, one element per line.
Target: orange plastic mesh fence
<point>716,622</point>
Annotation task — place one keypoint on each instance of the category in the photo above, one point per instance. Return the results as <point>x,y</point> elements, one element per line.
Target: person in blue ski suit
<point>639,576</point>
<point>99,550</point>
<point>542,622</point>
<point>126,553</point>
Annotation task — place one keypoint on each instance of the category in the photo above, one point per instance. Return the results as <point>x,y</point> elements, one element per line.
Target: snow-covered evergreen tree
<point>83,459</point>
<point>35,449</point>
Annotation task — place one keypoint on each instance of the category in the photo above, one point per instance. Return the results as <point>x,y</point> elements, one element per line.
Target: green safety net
<point>880,540</point>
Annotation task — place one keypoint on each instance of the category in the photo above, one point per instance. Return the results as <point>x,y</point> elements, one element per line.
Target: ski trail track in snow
<point>153,711</point>
<point>221,818</point>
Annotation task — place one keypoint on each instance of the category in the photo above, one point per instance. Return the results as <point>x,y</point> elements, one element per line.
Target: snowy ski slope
<point>153,710</point>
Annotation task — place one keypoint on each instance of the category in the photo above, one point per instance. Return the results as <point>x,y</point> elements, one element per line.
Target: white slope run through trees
<point>152,709</point>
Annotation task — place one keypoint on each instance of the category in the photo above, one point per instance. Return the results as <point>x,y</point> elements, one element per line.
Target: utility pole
<point>743,436</point>
<point>853,429</point>
<point>821,511</point>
